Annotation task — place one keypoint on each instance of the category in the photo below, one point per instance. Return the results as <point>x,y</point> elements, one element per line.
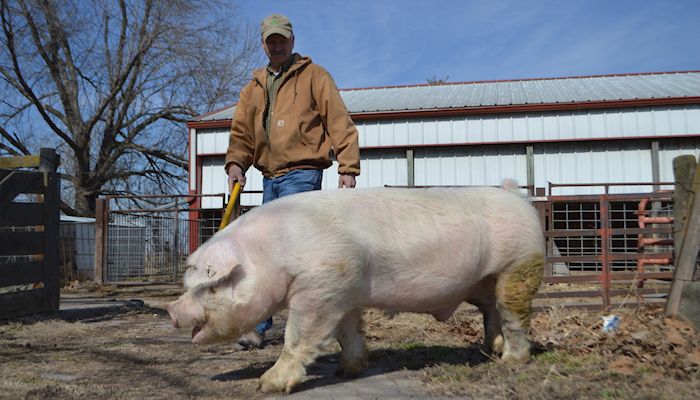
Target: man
<point>288,120</point>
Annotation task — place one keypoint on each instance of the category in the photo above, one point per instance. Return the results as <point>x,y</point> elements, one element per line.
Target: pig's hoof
<point>341,373</point>
<point>516,357</point>
<point>270,386</point>
<point>351,369</point>
<point>497,345</point>
<point>272,381</point>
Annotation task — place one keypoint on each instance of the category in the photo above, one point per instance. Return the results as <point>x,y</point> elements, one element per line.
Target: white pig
<point>328,255</point>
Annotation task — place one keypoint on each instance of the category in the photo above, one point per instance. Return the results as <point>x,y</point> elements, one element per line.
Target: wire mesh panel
<point>208,225</point>
<point>146,247</point>
<point>583,220</point>
<point>211,219</point>
<point>152,245</point>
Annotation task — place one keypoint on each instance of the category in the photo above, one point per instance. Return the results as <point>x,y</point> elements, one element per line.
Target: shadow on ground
<point>381,361</point>
<point>91,310</point>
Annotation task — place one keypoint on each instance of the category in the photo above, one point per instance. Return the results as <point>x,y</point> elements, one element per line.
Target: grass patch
<point>567,360</point>
<point>411,346</point>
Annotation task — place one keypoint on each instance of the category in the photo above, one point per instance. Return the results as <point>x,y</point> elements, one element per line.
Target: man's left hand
<point>346,181</point>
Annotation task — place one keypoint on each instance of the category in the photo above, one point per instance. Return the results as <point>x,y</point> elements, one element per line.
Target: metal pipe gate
<point>607,250</point>
<point>149,245</point>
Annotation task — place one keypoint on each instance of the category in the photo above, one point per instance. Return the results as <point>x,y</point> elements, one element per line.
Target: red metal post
<point>605,248</point>
<point>195,218</point>
<point>101,230</point>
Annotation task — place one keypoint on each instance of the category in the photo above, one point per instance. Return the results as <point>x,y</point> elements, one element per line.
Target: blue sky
<point>391,42</point>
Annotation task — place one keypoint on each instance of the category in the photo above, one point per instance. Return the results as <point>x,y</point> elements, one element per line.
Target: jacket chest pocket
<point>284,129</point>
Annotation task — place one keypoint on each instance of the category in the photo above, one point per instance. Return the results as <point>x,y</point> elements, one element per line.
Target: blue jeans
<point>296,181</point>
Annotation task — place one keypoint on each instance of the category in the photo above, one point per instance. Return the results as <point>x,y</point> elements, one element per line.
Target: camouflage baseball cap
<point>276,23</point>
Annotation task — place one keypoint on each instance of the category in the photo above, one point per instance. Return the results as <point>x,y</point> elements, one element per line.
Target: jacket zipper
<point>264,88</point>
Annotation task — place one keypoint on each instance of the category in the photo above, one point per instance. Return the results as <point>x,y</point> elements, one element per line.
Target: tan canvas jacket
<point>309,120</point>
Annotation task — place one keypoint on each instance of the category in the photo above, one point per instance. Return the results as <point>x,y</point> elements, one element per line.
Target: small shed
<point>77,248</point>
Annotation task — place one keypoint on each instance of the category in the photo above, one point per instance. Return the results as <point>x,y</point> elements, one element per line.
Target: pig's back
<point>385,221</point>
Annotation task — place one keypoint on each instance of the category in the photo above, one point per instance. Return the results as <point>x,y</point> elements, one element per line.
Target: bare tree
<point>437,81</point>
<point>110,83</point>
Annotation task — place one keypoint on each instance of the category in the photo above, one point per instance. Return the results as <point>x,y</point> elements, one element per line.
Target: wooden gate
<point>29,225</point>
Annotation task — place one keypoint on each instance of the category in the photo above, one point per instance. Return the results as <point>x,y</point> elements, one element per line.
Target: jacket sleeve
<point>337,122</point>
<point>241,141</point>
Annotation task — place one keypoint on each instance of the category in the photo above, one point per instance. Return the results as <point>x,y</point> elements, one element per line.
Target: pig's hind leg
<point>353,356</point>
<point>515,289</point>
<point>483,296</point>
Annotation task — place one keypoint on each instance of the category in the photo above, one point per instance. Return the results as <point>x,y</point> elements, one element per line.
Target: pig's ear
<point>211,264</point>
<point>209,276</point>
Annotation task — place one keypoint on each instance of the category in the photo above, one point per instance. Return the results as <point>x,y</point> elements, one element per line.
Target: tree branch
<point>9,35</point>
<point>19,148</point>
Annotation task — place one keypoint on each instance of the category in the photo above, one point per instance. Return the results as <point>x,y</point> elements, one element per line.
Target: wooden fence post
<point>52,222</point>
<point>101,227</point>
<point>48,160</point>
<point>688,236</point>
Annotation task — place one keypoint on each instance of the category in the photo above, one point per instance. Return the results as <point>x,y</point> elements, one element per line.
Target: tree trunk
<point>85,202</point>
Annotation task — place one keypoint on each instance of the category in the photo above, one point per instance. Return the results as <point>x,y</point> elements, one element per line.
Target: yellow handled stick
<point>232,200</point>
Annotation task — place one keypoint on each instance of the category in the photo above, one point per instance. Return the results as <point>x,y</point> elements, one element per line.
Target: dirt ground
<point>130,351</point>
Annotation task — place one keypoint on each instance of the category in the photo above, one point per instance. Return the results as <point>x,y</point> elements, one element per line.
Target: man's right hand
<point>235,173</point>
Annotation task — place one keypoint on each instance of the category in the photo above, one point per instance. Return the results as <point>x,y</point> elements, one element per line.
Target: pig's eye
<point>212,290</point>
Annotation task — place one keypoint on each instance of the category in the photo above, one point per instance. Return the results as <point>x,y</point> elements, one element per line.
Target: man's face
<point>278,49</point>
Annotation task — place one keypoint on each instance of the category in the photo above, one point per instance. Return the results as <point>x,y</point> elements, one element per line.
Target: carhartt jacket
<point>309,120</point>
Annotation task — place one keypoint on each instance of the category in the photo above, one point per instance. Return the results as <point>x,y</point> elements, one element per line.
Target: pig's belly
<point>438,300</point>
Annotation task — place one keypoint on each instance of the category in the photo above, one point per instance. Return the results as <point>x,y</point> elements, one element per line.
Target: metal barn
<point>541,132</point>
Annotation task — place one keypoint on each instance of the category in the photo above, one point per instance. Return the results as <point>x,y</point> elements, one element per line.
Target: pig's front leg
<point>307,333</point>
<point>287,372</point>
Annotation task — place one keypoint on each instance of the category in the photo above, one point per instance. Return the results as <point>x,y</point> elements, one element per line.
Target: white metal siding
<point>214,181</point>
<point>470,166</point>
<point>379,168</point>
<point>573,162</point>
<point>253,182</point>
<point>565,125</point>
<point>193,159</point>
<point>672,148</point>
<point>533,127</point>
<point>587,162</point>
<point>212,141</point>
<point>593,162</point>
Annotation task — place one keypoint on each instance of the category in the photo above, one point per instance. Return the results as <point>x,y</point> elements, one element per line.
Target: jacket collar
<point>296,62</point>
<point>292,59</point>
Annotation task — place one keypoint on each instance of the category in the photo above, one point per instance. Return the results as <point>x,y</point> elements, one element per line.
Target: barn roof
<point>522,93</point>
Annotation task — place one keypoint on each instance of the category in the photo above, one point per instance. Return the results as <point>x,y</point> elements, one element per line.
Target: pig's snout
<point>184,312</point>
